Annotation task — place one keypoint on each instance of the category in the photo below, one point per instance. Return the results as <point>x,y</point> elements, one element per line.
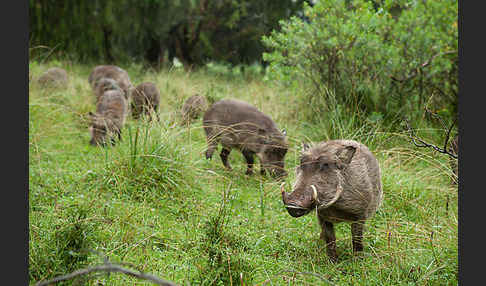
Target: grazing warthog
<point>193,108</point>
<point>454,162</point>
<point>145,100</point>
<point>105,84</point>
<point>237,124</point>
<point>342,180</point>
<point>114,72</point>
<point>53,77</point>
<point>111,111</point>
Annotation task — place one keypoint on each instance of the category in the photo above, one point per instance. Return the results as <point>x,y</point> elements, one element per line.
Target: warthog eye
<point>323,166</point>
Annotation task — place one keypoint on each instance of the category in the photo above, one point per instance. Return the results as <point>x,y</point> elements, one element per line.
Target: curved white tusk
<point>339,190</point>
<point>315,192</point>
<point>282,187</point>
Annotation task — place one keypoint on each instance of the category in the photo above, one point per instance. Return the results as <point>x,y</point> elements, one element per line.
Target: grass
<point>155,202</point>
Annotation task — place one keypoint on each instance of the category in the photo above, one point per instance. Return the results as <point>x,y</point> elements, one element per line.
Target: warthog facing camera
<point>342,180</point>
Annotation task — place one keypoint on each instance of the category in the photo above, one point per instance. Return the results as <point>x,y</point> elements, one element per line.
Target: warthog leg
<point>357,233</point>
<point>329,236</point>
<point>224,157</point>
<point>249,156</point>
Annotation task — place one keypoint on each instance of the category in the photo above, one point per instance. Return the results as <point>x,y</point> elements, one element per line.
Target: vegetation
<point>370,58</point>
<point>155,202</point>
<point>339,69</point>
<point>193,31</point>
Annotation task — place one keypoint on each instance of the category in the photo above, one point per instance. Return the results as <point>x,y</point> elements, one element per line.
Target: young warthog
<point>105,84</point>
<point>342,180</point>
<point>145,100</point>
<point>193,108</point>
<point>114,72</point>
<point>111,111</point>
<point>53,77</point>
<point>237,124</point>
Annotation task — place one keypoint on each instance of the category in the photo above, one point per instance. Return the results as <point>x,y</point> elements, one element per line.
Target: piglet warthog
<point>193,108</point>
<point>104,84</point>
<point>53,77</point>
<point>145,100</point>
<point>237,124</point>
<point>342,180</point>
<point>114,72</point>
<point>111,111</point>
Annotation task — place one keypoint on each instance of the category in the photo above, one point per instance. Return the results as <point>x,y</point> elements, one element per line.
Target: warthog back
<point>193,108</point>
<point>145,99</point>
<point>53,77</point>
<point>114,72</point>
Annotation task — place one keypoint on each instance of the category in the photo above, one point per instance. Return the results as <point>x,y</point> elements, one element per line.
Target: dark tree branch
<point>416,70</point>
<point>428,145</point>
<point>107,267</point>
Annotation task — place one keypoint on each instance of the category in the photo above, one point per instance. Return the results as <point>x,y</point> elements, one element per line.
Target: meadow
<point>154,203</point>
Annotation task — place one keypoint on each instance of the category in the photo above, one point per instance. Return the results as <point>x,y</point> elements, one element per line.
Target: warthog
<point>193,108</point>
<point>237,124</point>
<point>454,162</point>
<point>111,111</point>
<point>53,77</point>
<point>105,84</point>
<point>341,179</point>
<point>145,100</point>
<point>114,72</point>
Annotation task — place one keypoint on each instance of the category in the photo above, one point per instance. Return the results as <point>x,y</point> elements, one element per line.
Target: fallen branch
<point>107,267</point>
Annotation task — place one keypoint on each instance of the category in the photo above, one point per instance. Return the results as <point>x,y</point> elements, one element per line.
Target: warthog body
<point>114,72</point>
<point>111,111</point>
<point>237,124</point>
<point>53,77</point>
<point>342,179</point>
<point>454,162</point>
<point>193,108</point>
<point>145,100</point>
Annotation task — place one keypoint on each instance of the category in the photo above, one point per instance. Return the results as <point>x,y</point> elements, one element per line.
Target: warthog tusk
<point>282,187</point>
<point>339,190</point>
<point>314,193</point>
<point>295,207</point>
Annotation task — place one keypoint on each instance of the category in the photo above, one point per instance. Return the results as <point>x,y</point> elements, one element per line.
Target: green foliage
<point>194,31</point>
<point>70,242</point>
<point>154,202</point>
<point>224,250</point>
<point>372,62</point>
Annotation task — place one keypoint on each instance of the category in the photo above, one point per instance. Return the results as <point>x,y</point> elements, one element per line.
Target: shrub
<point>370,61</point>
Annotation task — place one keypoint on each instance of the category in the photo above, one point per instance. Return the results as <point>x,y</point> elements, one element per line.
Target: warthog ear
<point>304,146</point>
<point>345,155</point>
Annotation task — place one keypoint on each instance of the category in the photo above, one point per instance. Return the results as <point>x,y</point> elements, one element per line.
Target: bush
<point>372,63</point>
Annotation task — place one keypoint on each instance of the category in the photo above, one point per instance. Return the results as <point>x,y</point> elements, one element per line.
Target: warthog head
<point>100,129</point>
<point>273,153</point>
<point>319,180</point>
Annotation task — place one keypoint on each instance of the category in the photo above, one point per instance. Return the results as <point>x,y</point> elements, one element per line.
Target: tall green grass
<point>154,201</point>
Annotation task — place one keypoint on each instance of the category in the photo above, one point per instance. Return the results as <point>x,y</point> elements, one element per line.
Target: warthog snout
<point>278,173</point>
<point>298,208</point>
